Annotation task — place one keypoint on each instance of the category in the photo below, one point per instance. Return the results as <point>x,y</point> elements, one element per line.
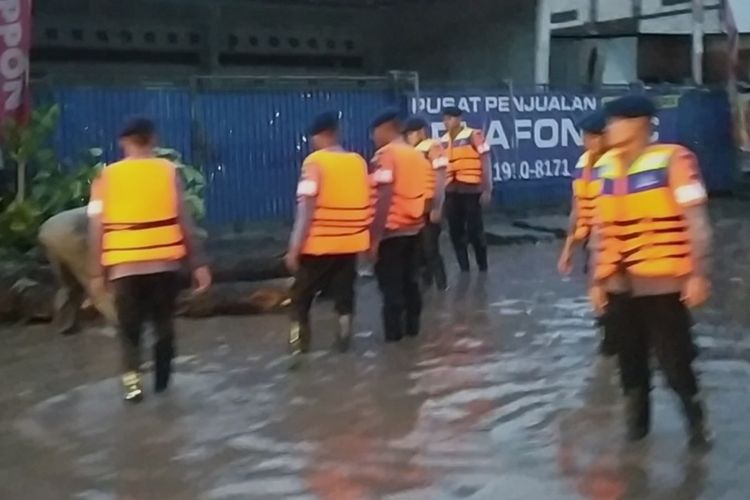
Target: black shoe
<point>637,414</point>
<point>162,367</point>
<point>392,339</point>
<point>344,333</point>
<point>699,437</point>
<point>132,387</point>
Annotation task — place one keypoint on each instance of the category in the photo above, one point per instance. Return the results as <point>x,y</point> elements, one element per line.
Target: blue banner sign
<point>532,137</point>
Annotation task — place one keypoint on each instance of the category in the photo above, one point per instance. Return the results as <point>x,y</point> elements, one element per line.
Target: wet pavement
<point>501,398</point>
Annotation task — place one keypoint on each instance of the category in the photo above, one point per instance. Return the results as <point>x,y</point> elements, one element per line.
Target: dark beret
<point>452,111</point>
<point>137,126</point>
<point>631,106</point>
<point>385,116</point>
<point>415,123</point>
<point>324,122</point>
<point>593,123</point>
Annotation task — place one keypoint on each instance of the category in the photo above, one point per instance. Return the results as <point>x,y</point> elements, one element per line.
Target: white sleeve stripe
<point>690,193</point>
<point>441,162</point>
<point>95,207</point>
<point>307,188</point>
<point>483,148</point>
<point>383,176</point>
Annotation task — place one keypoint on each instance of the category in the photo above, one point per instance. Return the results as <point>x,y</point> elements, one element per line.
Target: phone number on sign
<point>526,170</point>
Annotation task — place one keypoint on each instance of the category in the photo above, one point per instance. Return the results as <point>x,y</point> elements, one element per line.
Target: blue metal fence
<point>91,117</point>
<point>251,143</point>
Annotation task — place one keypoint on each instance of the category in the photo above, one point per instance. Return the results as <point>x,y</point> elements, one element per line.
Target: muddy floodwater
<point>501,398</point>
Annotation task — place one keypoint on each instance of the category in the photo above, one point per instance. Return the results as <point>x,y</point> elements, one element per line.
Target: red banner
<point>15,43</point>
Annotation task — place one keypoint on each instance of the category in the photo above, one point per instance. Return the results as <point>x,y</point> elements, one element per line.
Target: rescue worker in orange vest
<point>400,175</point>
<point>332,226</point>
<point>586,186</point>
<point>468,189</point>
<point>415,134</point>
<point>140,231</point>
<point>651,238</point>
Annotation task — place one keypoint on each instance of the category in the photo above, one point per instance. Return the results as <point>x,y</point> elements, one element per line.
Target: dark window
<point>672,3</point>
<point>312,43</point>
<point>50,34</point>
<point>195,38</point>
<point>293,42</point>
<point>253,40</point>
<point>126,36</point>
<point>102,36</point>
<point>274,41</point>
<point>172,38</point>
<point>565,16</point>
<point>331,44</point>
<point>349,44</point>
<point>150,37</point>
<point>77,34</point>
<point>233,41</point>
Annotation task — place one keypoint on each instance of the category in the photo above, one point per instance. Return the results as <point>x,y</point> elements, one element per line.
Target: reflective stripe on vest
<point>139,212</point>
<point>465,161</point>
<point>343,209</point>
<point>409,181</point>
<point>586,186</point>
<point>642,229</point>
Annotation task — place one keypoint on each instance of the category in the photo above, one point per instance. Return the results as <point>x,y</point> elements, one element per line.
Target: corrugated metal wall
<point>251,143</point>
<point>91,117</point>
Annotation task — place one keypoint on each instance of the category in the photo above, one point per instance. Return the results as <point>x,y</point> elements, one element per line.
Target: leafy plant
<point>192,179</point>
<point>26,146</point>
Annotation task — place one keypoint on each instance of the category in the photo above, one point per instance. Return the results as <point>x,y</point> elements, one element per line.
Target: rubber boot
<point>462,255</point>
<point>441,280</point>
<point>163,355</point>
<point>637,414</point>
<point>699,437</point>
<point>132,387</point>
<point>344,333</point>
<point>480,252</point>
<point>412,325</point>
<point>299,338</point>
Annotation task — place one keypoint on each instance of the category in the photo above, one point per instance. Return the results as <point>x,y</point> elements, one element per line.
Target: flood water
<point>501,398</point>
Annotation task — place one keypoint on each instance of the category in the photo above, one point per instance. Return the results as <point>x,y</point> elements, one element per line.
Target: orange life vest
<point>641,227</point>
<point>586,186</point>
<point>139,209</point>
<point>465,161</point>
<point>343,210</point>
<point>433,153</point>
<point>409,182</point>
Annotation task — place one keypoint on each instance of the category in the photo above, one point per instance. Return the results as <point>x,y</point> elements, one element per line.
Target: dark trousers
<point>466,225</point>
<point>433,268</point>
<point>397,270</point>
<point>335,274</point>
<point>661,324</point>
<point>139,299</point>
<point>612,322</point>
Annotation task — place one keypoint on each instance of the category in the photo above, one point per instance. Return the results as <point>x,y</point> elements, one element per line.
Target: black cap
<point>593,123</point>
<point>415,123</point>
<point>139,126</point>
<point>631,106</point>
<point>324,122</point>
<point>453,111</point>
<point>385,116</point>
